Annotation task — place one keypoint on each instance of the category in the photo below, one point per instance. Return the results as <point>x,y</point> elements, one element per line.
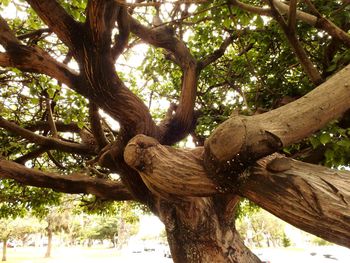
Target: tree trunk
<point>49,243</point>
<point>4,249</point>
<point>199,231</point>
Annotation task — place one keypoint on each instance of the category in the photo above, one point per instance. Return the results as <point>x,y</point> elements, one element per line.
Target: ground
<point>333,254</point>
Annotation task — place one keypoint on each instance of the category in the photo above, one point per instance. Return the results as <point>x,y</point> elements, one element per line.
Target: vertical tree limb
<point>299,51</point>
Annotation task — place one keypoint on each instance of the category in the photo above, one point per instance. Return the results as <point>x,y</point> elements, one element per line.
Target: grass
<point>61,255</point>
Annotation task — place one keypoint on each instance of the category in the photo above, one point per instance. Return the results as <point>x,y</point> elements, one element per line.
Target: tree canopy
<point>101,98</point>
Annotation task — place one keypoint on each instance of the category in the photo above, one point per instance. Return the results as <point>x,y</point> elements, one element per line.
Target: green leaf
<point>325,138</point>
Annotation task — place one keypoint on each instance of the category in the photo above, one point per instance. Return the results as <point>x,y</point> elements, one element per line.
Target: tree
<point>16,228</point>
<point>248,81</point>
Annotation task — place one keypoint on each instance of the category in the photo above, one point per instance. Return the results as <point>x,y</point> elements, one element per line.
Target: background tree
<point>18,228</point>
<point>247,80</point>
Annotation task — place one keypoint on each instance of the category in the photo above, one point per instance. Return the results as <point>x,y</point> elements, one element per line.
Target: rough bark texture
<point>199,232</point>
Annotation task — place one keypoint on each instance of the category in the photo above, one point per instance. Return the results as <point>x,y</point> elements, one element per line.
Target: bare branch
<point>60,125</point>
<point>96,126</point>
<point>59,21</point>
<point>292,16</point>
<point>33,59</point>
<point>51,143</point>
<point>121,40</point>
<point>31,155</point>
<point>151,160</point>
<point>251,8</point>
<point>306,63</point>
<point>182,122</point>
<point>73,184</point>
<point>51,120</point>
<point>216,54</point>
<point>284,9</point>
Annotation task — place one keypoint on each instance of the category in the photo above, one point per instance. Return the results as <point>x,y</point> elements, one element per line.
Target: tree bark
<point>4,249</point>
<point>49,242</point>
<point>199,232</point>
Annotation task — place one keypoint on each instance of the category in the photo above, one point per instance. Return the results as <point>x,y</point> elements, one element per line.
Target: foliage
<point>257,72</point>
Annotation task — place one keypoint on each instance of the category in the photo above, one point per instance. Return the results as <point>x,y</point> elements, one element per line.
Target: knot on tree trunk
<point>169,172</point>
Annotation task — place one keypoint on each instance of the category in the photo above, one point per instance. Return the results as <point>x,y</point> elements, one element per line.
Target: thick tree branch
<point>7,37</point>
<point>308,194</point>
<point>311,192</point>
<point>181,123</point>
<point>259,135</point>
<point>285,9</point>
<point>51,143</point>
<point>73,184</point>
<point>292,16</point>
<point>101,17</point>
<point>59,21</point>
<point>33,59</point>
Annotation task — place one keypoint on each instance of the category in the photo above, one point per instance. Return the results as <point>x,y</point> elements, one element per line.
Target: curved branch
<point>73,184</point>
<point>316,21</point>
<point>318,195</point>
<point>180,124</point>
<point>50,143</point>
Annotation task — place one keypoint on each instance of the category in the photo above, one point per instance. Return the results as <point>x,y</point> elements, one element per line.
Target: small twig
<point>57,163</point>
<point>50,118</point>
<point>161,3</point>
